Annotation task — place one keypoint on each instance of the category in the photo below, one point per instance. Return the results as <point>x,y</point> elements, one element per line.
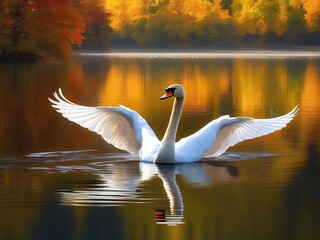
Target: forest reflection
<point>239,87</point>
<point>208,83</point>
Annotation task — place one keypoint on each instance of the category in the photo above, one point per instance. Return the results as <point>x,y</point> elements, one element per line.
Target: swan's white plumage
<point>217,136</point>
<point>127,130</point>
<point>119,126</point>
<point>235,130</point>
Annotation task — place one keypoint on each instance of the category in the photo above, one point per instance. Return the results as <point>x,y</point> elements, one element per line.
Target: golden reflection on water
<point>252,85</point>
<point>136,83</point>
<point>311,90</point>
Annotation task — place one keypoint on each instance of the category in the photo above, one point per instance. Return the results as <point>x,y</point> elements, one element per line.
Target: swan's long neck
<point>171,132</point>
<point>166,152</point>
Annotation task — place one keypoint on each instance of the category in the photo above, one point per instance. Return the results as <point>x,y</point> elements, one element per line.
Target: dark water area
<point>60,181</point>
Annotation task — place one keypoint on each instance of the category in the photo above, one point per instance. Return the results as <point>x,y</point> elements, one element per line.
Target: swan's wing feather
<point>119,126</point>
<point>235,130</point>
<point>217,136</point>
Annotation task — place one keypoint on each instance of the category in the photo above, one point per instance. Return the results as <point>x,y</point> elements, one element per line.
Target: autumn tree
<point>97,20</point>
<point>39,28</point>
<point>258,16</point>
<point>218,31</point>
<point>297,23</point>
<point>312,8</point>
<point>126,12</point>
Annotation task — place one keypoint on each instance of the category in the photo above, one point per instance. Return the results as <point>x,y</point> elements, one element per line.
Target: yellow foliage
<point>195,8</point>
<point>313,14</point>
<point>125,12</point>
<point>147,20</point>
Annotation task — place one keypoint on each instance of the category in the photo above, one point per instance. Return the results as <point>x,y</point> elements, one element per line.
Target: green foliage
<point>227,4</point>
<point>163,29</point>
<point>296,21</point>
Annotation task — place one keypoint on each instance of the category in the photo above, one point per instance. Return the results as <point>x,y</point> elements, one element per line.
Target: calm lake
<point>61,181</point>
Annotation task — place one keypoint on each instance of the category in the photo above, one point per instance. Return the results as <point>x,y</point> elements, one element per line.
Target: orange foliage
<point>43,28</point>
<point>58,17</point>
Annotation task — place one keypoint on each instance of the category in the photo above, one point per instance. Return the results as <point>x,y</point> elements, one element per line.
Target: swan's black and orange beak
<point>169,93</point>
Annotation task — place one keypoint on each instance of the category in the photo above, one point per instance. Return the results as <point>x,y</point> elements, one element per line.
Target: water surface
<point>60,181</point>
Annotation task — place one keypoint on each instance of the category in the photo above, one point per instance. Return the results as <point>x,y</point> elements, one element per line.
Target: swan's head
<point>174,90</point>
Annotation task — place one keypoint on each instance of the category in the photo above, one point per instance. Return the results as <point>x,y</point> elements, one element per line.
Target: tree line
<point>210,23</point>
<point>31,29</point>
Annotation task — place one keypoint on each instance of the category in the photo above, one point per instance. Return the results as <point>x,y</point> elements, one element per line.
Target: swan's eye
<point>171,90</point>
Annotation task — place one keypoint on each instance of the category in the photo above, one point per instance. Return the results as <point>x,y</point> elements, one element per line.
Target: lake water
<point>60,181</point>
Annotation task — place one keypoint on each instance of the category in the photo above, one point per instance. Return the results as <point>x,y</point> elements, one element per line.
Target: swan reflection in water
<point>122,185</point>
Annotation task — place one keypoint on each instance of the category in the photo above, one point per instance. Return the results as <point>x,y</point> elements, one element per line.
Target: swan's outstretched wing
<point>217,136</point>
<point>119,126</point>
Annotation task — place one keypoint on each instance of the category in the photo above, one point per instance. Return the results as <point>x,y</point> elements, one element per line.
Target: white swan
<point>127,130</point>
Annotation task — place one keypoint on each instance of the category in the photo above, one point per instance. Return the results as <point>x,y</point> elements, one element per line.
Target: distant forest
<point>214,23</point>
<point>31,29</point>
